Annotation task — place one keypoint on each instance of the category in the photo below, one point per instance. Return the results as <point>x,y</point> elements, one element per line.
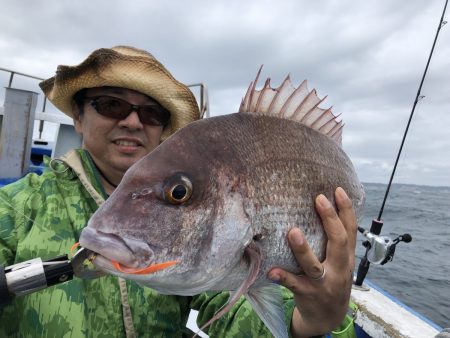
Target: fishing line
<point>377,224</point>
<point>25,216</point>
<point>418,97</point>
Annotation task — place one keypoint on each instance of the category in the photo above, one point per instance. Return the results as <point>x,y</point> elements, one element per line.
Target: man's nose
<point>132,121</point>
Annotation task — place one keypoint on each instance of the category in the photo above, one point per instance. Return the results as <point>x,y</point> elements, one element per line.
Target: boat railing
<point>202,100</point>
<point>16,147</point>
<point>12,73</point>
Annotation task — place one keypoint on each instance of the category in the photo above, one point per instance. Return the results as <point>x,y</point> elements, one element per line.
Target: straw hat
<point>124,67</point>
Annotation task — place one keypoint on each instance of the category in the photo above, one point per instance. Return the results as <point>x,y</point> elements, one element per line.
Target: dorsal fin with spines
<point>296,104</point>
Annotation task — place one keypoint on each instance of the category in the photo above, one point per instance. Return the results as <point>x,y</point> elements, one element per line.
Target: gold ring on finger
<point>322,276</point>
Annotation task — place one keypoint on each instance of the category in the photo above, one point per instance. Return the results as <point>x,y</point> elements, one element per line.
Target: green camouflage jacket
<point>42,216</point>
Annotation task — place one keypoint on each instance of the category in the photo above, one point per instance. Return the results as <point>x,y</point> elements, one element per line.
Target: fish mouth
<point>110,247</point>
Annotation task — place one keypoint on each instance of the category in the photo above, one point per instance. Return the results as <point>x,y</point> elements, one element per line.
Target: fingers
<point>340,229</point>
<point>304,255</point>
<point>332,224</point>
<point>347,216</point>
<point>286,279</point>
<point>322,295</point>
<point>313,269</point>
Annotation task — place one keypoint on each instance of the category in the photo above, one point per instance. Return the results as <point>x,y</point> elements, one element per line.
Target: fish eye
<point>178,190</point>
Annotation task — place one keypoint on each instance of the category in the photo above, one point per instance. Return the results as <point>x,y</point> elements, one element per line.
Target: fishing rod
<point>381,249</point>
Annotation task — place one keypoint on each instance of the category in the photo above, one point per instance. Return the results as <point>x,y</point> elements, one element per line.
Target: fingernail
<point>323,201</point>
<point>341,193</point>
<point>274,277</point>
<point>296,237</point>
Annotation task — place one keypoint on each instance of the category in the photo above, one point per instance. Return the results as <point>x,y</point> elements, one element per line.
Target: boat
<point>376,313</point>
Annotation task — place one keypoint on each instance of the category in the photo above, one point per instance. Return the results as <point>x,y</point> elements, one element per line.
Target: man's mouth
<point>125,143</point>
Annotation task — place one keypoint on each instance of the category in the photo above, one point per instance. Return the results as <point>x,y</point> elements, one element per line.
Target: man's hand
<point>323,293</point>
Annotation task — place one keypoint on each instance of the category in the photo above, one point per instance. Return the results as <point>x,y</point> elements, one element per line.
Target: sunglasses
<point>113,107</point>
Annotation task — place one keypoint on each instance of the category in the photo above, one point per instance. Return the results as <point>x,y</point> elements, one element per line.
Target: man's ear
<point>77,118</point>
<point>77,125</point>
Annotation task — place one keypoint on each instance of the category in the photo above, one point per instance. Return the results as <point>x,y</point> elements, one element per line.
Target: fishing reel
<point>381,249</point>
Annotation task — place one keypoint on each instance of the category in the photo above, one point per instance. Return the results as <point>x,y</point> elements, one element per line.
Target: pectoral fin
<point>253,255</point>
<point>267,301</point>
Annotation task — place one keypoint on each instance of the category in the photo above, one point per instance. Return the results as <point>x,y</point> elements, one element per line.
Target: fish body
<point>214,196</point>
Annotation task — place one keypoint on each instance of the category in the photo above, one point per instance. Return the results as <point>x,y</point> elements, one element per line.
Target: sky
<point>367,57</point>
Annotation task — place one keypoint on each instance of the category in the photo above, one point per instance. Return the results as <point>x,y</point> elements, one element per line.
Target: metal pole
<point>17,132</point>
<point>10,79</point>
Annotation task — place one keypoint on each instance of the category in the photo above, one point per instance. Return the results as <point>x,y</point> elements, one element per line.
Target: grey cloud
<point>368,58</point>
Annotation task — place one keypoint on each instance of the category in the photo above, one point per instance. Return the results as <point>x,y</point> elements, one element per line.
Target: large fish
<point>213,204</point>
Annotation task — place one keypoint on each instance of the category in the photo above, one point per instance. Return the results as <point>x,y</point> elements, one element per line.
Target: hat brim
<point>124,67</point>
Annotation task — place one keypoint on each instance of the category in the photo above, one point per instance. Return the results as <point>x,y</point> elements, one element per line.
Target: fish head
<point>178,204</point>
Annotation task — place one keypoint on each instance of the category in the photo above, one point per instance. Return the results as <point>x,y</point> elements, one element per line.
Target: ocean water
<point>419,274</point>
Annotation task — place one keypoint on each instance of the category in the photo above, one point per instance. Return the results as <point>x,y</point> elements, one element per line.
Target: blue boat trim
<point>406,307</point>
<point>360,333</point>
<point>5,181</point>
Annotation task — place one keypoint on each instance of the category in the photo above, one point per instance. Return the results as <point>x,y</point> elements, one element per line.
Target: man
<point>124,102</point>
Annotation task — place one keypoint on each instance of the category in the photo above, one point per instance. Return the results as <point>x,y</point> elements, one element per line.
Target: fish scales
<point>282,179</point>
<point>270,181</point>
<point>218,188</point>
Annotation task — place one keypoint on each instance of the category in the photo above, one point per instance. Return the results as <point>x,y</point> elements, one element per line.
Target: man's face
<point>116,144</point>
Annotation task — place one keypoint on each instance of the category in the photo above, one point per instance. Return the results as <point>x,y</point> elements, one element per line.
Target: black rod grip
<point>363,268</point>
<point>5,296</point>
<point>58,273</point>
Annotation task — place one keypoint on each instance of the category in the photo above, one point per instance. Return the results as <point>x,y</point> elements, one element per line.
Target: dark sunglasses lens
<point>112,107</point>
<point>154,115</point>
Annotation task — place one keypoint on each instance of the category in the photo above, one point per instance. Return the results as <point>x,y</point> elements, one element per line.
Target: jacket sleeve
<point>8,233</point>
<point>19,202</point>
<point>241,320</point>
<point>8,237</point>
